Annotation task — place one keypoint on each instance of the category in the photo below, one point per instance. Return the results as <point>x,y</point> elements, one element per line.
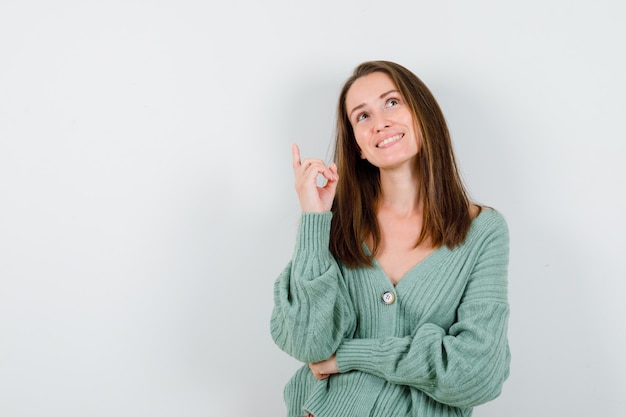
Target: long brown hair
<point>446,218</point>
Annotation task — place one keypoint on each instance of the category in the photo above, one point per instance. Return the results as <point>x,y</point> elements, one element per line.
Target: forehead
<point>369,88</point>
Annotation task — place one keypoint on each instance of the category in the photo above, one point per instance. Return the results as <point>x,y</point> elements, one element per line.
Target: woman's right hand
<point>313,198</point>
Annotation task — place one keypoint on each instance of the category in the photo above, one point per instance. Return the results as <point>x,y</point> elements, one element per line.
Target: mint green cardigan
<point>440,349</point>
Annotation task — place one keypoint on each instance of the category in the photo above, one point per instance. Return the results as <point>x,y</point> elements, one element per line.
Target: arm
<point>312,311</point>
<point>463,366</point>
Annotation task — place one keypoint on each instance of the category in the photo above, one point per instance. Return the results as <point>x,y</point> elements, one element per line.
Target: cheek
<point>360,142</point>
<point>408,119</point>
<point>358,137</point>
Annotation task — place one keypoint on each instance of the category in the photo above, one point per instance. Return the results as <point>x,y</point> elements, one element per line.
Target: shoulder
<point>489,222</point>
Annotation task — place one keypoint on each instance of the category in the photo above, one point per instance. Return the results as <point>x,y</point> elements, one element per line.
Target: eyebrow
<point>363,104</point>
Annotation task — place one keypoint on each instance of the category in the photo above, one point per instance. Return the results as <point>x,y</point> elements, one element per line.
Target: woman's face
<point>382,122</point>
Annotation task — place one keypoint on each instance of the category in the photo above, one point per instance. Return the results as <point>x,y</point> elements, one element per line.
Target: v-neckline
<point>431,257</point>
<point>418,265</point>
<point>410,271</point>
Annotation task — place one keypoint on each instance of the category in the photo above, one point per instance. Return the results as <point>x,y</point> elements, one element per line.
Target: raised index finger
<point>295,152</point>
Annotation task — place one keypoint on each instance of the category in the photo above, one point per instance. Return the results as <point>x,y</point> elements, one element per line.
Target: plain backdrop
<point>147,202</point>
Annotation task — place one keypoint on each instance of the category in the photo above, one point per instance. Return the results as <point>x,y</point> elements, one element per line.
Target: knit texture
<point>439,350</point>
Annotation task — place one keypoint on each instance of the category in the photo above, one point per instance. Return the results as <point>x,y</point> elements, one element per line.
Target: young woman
<point>396,296</point>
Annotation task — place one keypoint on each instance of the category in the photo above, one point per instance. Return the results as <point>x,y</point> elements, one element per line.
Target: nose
<point>381,121</point>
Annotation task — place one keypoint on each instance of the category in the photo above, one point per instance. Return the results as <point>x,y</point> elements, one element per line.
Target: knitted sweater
<point>438,350</point>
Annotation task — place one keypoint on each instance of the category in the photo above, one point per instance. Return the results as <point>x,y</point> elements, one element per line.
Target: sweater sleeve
<point>312,310</point>
<point>464,366</point>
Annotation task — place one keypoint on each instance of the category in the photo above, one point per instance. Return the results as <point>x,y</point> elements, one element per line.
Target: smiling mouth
<point>389,140</point>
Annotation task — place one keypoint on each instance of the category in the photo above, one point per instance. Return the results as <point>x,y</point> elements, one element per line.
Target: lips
<point>386,142</point>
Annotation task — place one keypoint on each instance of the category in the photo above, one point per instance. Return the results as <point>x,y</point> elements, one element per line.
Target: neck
<point>400,192</point>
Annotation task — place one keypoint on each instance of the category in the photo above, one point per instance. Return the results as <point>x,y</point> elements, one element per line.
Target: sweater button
<point>388,297</point>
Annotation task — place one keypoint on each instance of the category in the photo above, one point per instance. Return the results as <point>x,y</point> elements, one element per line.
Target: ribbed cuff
<point>358,354</point>
<point>314,232</point>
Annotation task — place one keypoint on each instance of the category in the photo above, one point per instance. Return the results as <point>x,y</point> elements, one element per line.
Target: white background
<point>147,203</point>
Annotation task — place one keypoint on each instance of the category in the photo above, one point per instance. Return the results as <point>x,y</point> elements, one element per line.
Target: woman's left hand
<point>324,369</point>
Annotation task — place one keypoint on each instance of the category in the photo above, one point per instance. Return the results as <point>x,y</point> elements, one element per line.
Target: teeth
<point>389,140</point>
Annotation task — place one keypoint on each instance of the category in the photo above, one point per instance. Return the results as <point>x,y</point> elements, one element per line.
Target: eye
<point>392,102</point>
<point>361,116</point>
